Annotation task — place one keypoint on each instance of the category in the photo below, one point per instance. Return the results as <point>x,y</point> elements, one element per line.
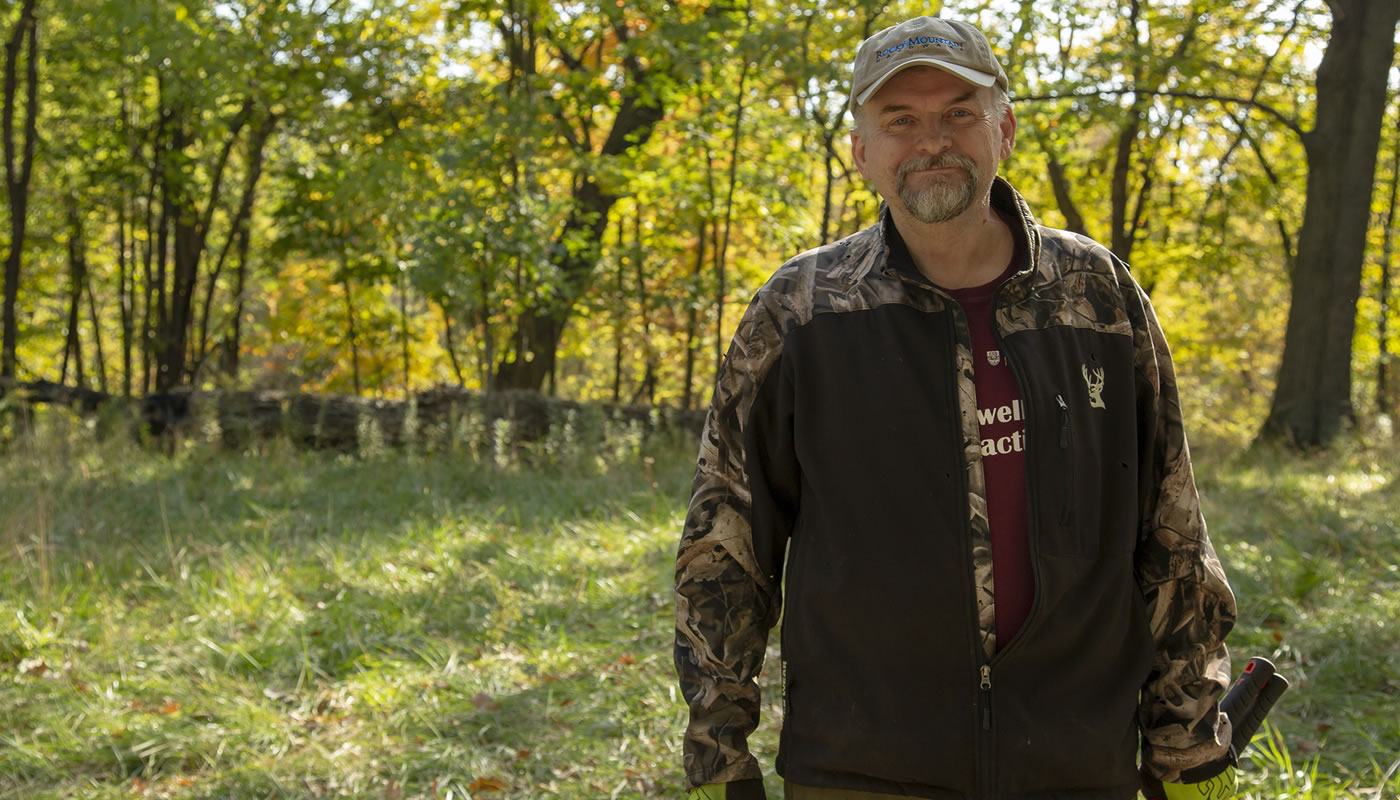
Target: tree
<point>616,59</point>
<point>1312,400</point>
<point>23,44</point>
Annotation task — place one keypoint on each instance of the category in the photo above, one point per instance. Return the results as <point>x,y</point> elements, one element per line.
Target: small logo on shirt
<point>994,357</point>
<point>1095,384</point>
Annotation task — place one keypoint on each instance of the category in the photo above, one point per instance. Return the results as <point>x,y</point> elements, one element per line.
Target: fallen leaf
<point>169,708</point>
<point>487,785</point>
<point>627,659</point>
<point>485,701</point>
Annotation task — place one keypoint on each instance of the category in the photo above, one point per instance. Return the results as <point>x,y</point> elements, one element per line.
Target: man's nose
<point>934,137</point>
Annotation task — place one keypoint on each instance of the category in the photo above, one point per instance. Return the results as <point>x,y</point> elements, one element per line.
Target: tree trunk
<point>1312,400</point>
<point>692,340</point>
<point>123,295</point>
<point>237,230</point>
<point>722,242</point>
<point>1059,184</point>
<point>101,365</point>
<point>26,38</point>
<point>126,265</point>
<point>451,346</point>
<point>618,322</point>
<point>190,226</point>
<point>172,142</point>
<point>827,156</point>
<point>403,322</point>
<point>77,278</point>
<point>350,332</point>
<point>150,301</point>
<point>648,384</point>
<point>234,342</point>
<point>488,340</point>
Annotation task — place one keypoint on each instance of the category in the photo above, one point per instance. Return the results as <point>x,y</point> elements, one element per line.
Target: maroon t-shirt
<point>1001,418</point>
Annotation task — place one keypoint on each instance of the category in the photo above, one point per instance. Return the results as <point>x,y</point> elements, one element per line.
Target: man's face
<point>931,142</point>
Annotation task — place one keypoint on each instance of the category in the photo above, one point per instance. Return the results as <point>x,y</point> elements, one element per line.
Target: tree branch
<point>1287,121</point>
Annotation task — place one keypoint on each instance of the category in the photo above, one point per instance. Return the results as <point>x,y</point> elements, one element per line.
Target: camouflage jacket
<point>841,464</point>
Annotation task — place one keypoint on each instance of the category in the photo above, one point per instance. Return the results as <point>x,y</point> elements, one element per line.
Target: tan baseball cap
<point>949,45</point>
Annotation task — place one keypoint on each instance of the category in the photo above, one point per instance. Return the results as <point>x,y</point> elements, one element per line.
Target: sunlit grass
<point>285,624</point>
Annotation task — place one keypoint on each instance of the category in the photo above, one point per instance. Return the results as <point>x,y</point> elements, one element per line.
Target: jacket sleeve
<point>1189,603</point>
<point>728,570</point>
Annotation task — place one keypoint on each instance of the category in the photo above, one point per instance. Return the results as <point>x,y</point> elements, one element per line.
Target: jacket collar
<point>872,248</point>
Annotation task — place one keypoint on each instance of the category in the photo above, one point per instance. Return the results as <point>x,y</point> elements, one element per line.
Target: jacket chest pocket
<point>1087,488</point>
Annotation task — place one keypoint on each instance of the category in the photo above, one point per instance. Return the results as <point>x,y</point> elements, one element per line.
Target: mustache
<point>936,162</point>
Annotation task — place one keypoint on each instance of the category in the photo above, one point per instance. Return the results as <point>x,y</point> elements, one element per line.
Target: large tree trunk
<point>25,37</point>
<point>1313,397</point>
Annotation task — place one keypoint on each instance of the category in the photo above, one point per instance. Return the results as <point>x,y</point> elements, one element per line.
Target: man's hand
<point>739,790</point>
<point>1221,787</point>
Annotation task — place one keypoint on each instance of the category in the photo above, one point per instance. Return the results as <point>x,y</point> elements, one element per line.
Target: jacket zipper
<point>1067,501</point>
<point>1032,543</point>
<point>986,775</point>
<point>987,780</point>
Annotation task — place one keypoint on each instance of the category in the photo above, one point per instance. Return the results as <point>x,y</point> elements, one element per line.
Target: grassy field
<point>284,624</point>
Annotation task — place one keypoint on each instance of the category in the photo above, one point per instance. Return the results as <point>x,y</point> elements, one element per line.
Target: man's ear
<point>1008,133</point>
<point>858,151</point>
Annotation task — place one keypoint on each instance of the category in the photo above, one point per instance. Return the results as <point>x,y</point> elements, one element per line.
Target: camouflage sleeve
<point>728,570</point>
<point>1189,603</point>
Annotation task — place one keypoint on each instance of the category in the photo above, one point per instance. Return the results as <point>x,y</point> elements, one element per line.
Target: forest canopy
<point>380,196</point>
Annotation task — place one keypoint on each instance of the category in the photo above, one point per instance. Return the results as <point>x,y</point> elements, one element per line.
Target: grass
<point>284,624</point>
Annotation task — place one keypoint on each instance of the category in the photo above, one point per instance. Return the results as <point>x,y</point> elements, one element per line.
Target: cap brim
<point>970,75</point>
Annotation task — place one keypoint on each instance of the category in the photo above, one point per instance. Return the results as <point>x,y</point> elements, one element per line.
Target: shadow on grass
<point>457,619</point>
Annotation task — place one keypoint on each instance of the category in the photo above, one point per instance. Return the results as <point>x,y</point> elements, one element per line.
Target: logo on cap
<point>916,41</point>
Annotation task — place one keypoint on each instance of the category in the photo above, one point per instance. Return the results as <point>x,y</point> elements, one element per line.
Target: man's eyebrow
<point>896,108</point>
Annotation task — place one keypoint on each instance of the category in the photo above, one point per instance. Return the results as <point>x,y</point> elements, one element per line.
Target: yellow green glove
<point>1221,787</point>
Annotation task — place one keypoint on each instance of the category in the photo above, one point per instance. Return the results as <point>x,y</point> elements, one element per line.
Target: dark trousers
<point>793,791</point>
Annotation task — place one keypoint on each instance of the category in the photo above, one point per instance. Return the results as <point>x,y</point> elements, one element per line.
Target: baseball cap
<point>947,44</point>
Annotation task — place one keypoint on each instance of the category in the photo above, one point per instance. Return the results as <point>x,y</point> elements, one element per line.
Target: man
<point>961,429</point>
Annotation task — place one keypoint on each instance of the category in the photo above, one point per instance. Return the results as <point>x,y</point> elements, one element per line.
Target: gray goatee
<point>939,200</point>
